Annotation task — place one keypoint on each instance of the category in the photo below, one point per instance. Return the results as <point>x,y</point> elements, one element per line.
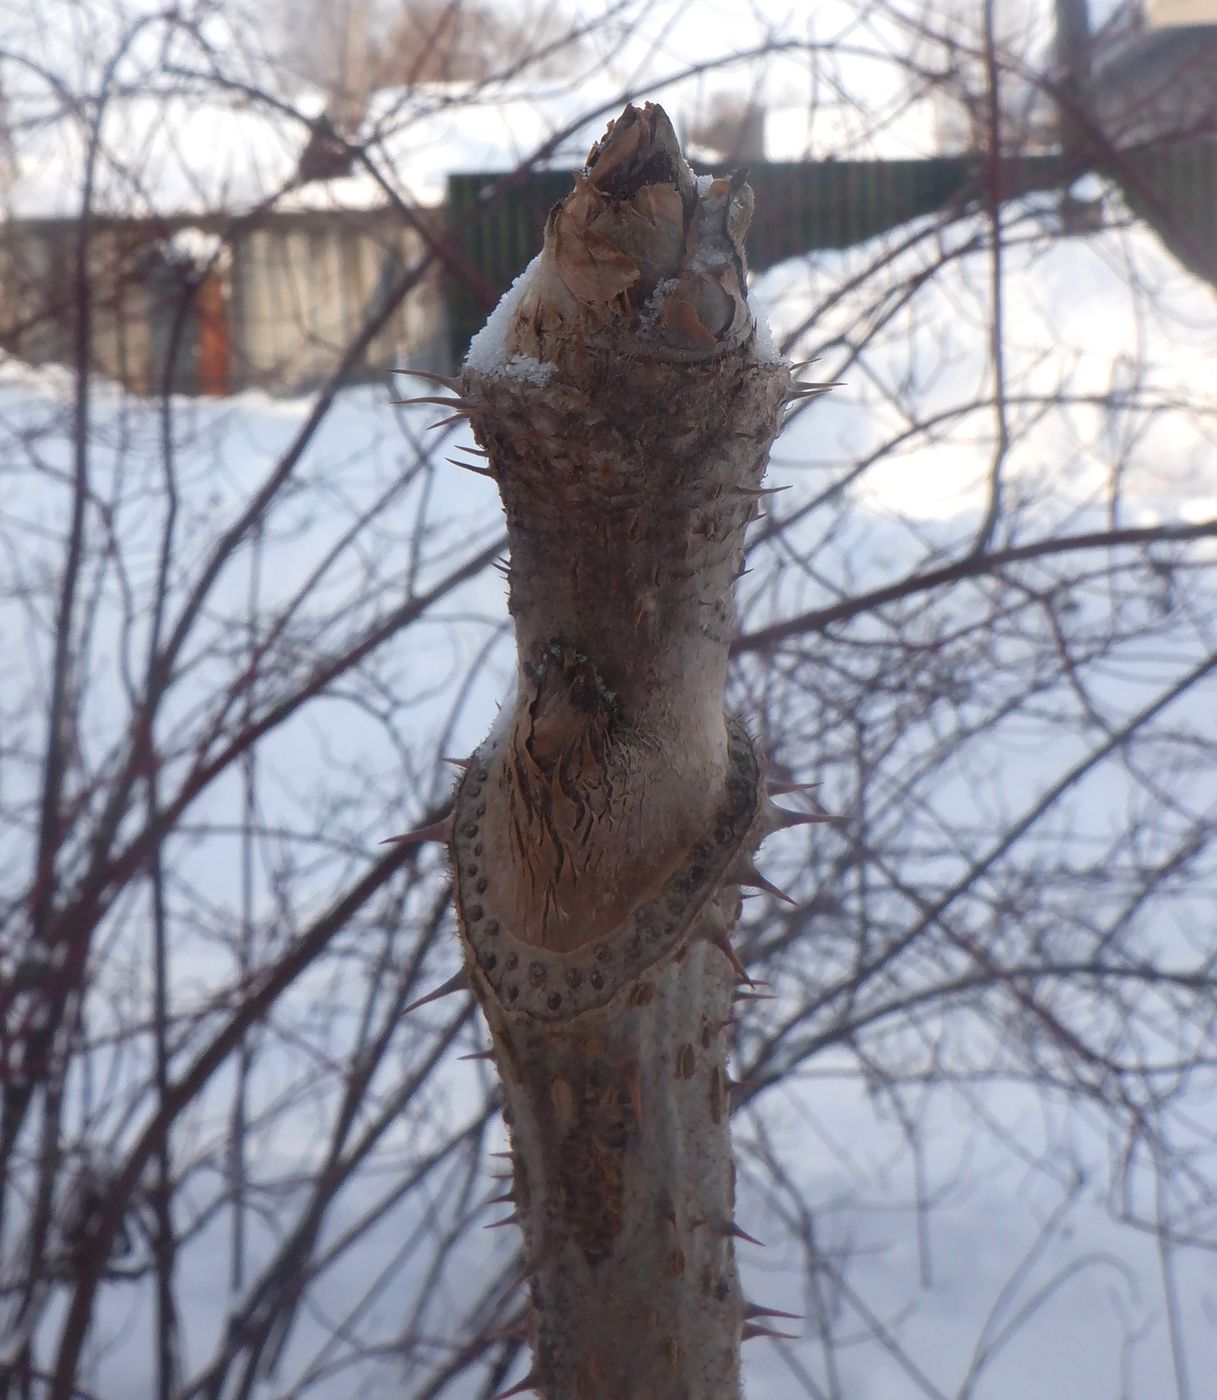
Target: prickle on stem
<point>753,1329</point>
<point>445,381</point>
<point>458,982</point>
<point>745,873</point>
<point>434,831</point>
<point>754,1310</point>
<point>735,1232</point>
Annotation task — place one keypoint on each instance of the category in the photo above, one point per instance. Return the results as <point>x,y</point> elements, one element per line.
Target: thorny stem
<point>601,833</point>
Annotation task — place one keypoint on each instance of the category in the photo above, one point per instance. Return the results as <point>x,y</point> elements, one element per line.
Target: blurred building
<point>1163,14</point>
<point>215,305</point>
<point>1154,73</point>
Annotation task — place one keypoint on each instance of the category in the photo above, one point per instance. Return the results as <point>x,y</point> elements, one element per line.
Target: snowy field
<point>988,1260</point>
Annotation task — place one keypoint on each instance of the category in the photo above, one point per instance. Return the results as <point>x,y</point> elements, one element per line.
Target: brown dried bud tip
<point>634,239</point>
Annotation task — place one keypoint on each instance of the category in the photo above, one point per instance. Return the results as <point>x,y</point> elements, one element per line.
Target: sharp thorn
<point>753,996</point>
<point>506,1199</point>
<point>433,398</point>
<point>461,763</point>
<point>781,818</point>
<point>469,467</point>
<point>780,789</point>
<point>445,381</point>
<point>478,1055</point>
<point>435,831</point>
<point>448,422</point>
<point>759,491</point>
<point>528,1383</point>
<point>753,1329</point>
<point>802,364</point>
<point>501,1154</point>
<point>810,391</point>
<point>745,873</point>
<point>457,983</point>
<point>734,1232</point>
<point>512,1219</point>
<point>717,935</point>
<point>755,1310</point>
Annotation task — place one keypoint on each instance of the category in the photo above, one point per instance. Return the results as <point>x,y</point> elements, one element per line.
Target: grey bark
<point>602,832</point>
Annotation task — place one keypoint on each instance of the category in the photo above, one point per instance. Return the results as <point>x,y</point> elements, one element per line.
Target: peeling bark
<point>601,833</point>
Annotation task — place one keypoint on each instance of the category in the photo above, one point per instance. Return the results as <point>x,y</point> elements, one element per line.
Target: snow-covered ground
<point>1016,1280</point>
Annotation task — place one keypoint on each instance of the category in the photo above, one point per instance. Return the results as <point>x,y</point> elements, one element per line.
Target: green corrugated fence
<point>1174,189</point>
<point>830,204</point>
